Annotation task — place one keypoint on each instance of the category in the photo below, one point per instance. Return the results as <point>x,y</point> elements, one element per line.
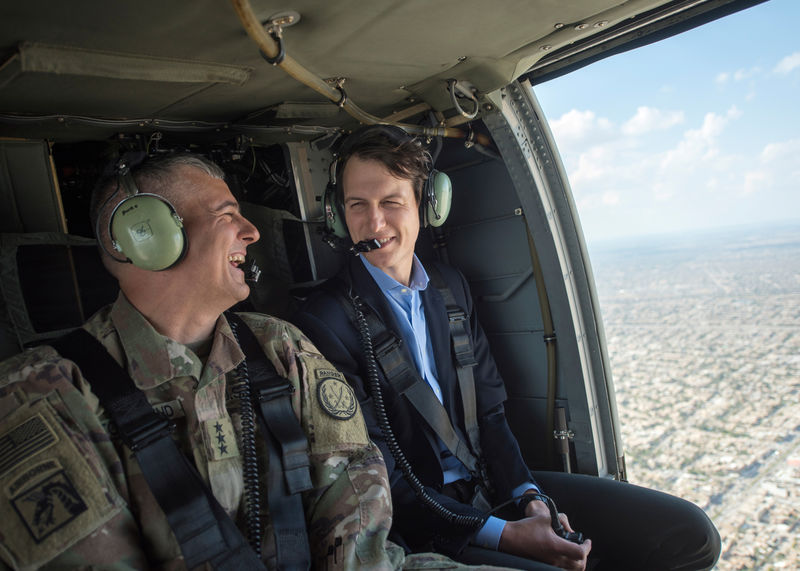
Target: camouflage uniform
<point>73,496</point>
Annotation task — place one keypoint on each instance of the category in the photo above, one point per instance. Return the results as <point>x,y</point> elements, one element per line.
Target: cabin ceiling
<point>193,61</point>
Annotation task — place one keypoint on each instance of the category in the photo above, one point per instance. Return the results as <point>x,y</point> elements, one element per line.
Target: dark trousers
<point>630,527</point>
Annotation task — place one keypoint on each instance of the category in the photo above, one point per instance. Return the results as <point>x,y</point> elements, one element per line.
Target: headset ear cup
<point>438,199</point>
<point>333,213</point>
<point>148,231</point>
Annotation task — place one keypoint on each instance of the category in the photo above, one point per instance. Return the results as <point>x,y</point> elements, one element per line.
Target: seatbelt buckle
<point>137,423</point>
<point>268,391</point>
<point>385,347</point>
<point>456,315</point>
<point>153,429</point>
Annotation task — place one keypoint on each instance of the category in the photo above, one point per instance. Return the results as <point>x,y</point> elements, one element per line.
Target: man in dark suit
<point>447,445</point>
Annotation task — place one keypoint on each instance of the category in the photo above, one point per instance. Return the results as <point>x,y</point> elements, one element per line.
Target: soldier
<point>83,484</point>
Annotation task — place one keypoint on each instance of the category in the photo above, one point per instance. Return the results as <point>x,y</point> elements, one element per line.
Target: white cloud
<point>663,191</point>
<point>738,75</point>
<point>696,146</point>
<point>788,64</point>
<point>674,178</point>
<point>595,164</point>
<point>610,198</point>
<point>578,125</point>
<point>755,181</point>
<point>651,119</point>
<point>783,151</point>
<point>742,74</point>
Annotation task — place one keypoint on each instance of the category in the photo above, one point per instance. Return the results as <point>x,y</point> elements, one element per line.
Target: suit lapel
<point>371,294</point>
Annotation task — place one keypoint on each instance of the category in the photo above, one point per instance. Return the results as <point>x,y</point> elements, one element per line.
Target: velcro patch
<point>57,493</point>
<point>31,475</point>
<point>23,441</point>
<point>49,505</point>
<point>170,410</point>
<point>328,373</point>
<point>220,439</point>
<point>337,398</point>
<point>334,420</point>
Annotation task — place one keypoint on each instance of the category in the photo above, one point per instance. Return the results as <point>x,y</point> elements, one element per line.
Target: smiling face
<point>378,205</point>
<point>218,236</point>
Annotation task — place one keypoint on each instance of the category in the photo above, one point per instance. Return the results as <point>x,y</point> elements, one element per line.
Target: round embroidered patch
<point>336,398</point>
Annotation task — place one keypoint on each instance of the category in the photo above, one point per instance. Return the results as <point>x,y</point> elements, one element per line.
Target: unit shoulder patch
<point>322,374</point>
<point>336,397</point>
<point>49,505</point>
<point>54,487</point>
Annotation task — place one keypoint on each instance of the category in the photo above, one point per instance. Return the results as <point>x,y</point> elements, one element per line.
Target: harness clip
<point>144,435</point>
<point>272,392</point>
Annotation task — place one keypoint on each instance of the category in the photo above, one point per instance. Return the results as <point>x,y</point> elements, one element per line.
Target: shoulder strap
<point>461,345</point>
<point>201,526</point>
<point>405,379</point>
<point>289,470</point>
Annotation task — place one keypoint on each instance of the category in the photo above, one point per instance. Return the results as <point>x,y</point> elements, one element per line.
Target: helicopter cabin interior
<point>268,94</point>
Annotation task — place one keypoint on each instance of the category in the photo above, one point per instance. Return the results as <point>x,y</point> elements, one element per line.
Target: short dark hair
<point>401,154</point>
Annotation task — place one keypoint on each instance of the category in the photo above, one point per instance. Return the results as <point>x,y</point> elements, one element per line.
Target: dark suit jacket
<point>323,319</point>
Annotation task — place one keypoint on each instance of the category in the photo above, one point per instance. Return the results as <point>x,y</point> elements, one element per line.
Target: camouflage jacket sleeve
<point>54,455</point>
<point>348,511</point>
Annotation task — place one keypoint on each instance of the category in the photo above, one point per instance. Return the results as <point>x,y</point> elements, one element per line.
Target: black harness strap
<point>461,345</point>
<point>406,380</point>
<point>201,526</point>
<point>289,472</point>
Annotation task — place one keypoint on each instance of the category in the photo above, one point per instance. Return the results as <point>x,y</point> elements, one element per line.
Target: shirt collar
<point>154,358</point>
<point>419,277</point>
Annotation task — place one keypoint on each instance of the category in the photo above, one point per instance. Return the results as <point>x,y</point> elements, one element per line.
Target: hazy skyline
<point>695,132</point>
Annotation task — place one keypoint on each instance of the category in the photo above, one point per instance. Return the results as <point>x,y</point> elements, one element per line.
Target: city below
<point>704,339</point>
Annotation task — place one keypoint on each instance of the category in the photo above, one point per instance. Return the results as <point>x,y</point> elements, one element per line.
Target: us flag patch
<point>23,441</point>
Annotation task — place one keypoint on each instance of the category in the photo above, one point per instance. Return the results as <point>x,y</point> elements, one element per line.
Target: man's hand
<point>534,538</point>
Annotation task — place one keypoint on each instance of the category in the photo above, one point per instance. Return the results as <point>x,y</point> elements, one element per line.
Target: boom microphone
<point>365,246</point>
<point>251,272</point>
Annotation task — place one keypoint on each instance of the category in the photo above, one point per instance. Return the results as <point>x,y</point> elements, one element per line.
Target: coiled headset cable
<point>388,434</point>
<point>241,390</point>
<point>555,522</point>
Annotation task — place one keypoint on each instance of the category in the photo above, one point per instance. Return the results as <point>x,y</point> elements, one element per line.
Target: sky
<point>696,132</point>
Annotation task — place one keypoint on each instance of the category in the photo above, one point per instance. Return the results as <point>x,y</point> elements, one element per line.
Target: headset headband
<point>435,199</point>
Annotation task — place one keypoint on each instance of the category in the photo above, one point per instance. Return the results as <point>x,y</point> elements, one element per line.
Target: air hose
<point>272,48</point>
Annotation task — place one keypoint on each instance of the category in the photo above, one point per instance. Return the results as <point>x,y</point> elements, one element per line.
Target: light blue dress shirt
<point>406,305</point>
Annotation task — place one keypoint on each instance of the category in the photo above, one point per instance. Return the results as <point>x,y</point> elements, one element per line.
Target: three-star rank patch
<point>335,396</point>
<point>220,439</point>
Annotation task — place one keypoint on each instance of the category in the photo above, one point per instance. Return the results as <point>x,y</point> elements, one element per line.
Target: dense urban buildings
<point>704,340</point>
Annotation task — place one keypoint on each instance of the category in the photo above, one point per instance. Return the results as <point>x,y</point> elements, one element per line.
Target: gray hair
<point>154,176</point>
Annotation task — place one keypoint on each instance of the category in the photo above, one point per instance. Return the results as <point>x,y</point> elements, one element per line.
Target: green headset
<point>437,193</point>
<point>144,227</point>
